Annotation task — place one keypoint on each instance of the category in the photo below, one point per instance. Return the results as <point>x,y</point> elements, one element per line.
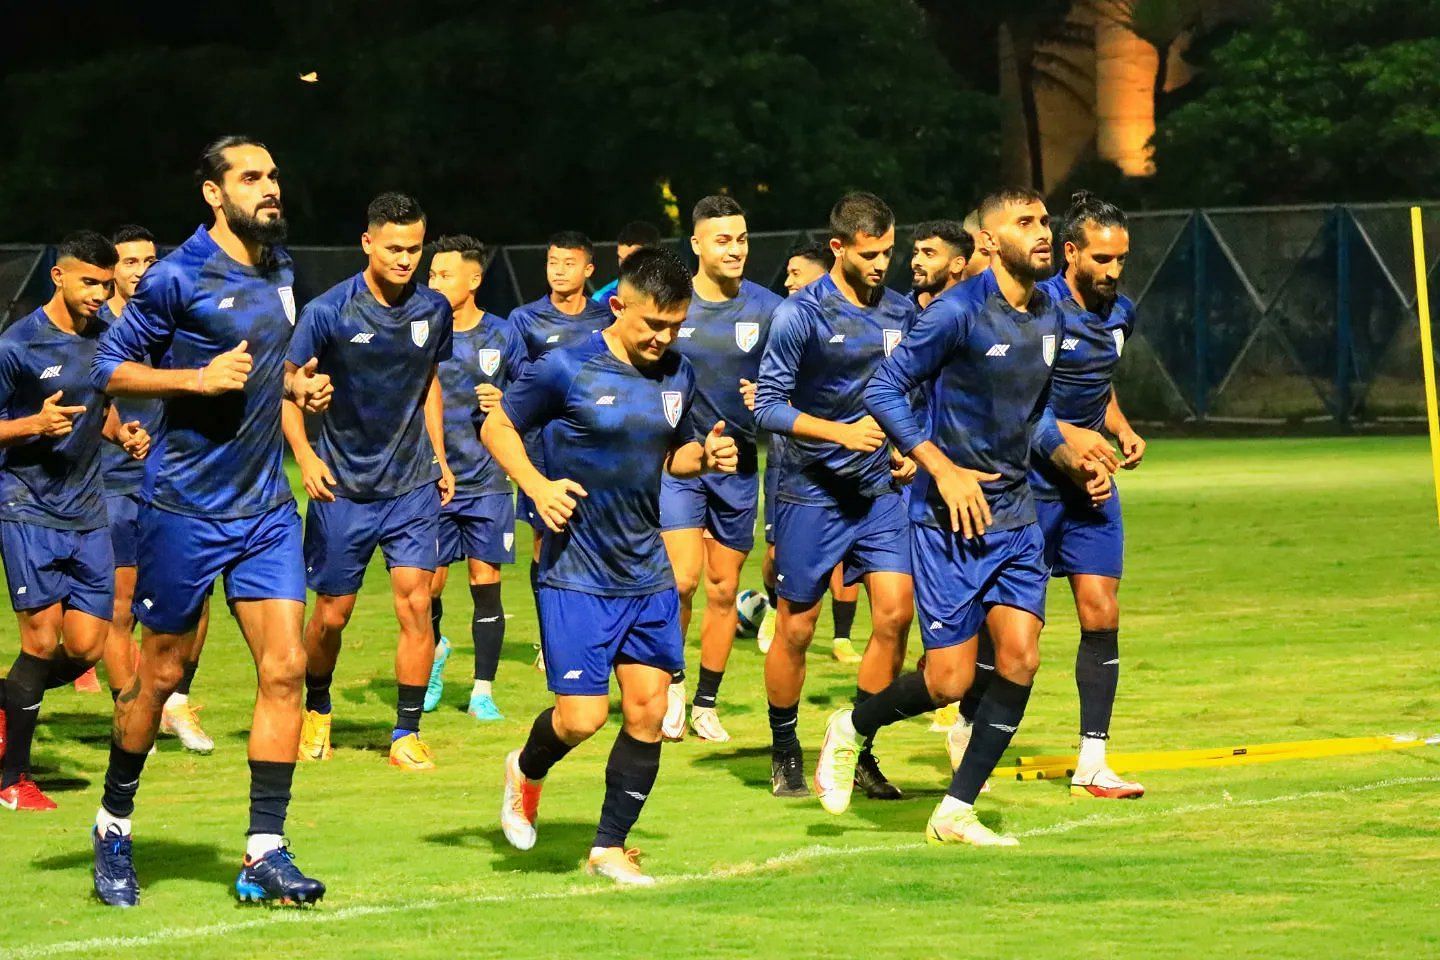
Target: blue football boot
<point>115,882</point>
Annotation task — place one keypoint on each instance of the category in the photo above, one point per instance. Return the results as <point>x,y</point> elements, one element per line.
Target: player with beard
<point>1085,542</point>
<point>219,310</point>
<point>709,522</point>
<point>54,540</point>
<point>982,352</point>
<point>942,250</point>
<point>124,475</point>
<point>838,499</point>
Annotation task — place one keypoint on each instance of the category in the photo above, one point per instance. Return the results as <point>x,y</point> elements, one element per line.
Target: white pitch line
<point>778,862</point>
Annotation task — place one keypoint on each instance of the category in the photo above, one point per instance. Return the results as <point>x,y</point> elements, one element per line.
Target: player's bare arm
<point>1132,445</point>
<point>435,427</point>
<point>959,487</point>
<point>307,388</point>
<point>130,436</point>
<point>52,420</point>
<point>1089,445</point>
<point>314,473</point>
<point>554,499</point>
<point>718,454</point>
<point>225,372</point>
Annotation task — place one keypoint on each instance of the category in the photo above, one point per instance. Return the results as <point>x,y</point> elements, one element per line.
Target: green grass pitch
<point>1276,590</point>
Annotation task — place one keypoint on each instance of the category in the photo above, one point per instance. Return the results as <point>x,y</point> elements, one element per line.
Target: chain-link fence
<point>1279,315</point>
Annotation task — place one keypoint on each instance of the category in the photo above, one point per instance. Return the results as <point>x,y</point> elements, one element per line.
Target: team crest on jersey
<point>1047,349</point>
<point>419,332</point>
<point>1119,342</point>
<point>892,340</point>
<point>671,400</point>
<point>489,362</point>
<point>287,300</point>
<point>747,335</point>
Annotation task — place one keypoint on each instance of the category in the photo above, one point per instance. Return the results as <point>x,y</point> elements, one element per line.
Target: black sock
<point>984,671</point>
<point>784,737</point>
<point>409,704</point>
<point>24,689</point>
<point>535,591</point>
<point>437,610</point>
<point>187,677</point>
<point>269,795</point>
<point>317,691</point>
<point>708,688</point>
<point>487,629</point>
<point>843,613</point>
<point>1097,674</point>
<point>2,693</point>
<point>114,694</point>
<point>996,721</point>
<point>544,748</point>
<point>629,777</point>
<point>860,697</point>
<point>906,697</point>
<point>122,780</point>
<point>772,596</point>
<point>64,670</point>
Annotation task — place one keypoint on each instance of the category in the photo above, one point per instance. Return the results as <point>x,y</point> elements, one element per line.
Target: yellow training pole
<point>1427,349</point>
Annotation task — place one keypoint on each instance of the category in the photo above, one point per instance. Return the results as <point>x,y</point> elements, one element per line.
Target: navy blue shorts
<point>1080,538</point>
<point>525,510</point>
<point>722,504</point>
<point>583,636</point>
<point>180,557</point>
<point>45,566</point>
<point>772,486</point>
<point>957,581</point>
<point>341,536</point>
<point>124,510</point>
<point>477,528</point>
<point>810,539</point>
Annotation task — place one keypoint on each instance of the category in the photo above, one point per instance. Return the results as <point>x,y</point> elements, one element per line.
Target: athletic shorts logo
<point>672,401</point>
<point>892,340</point>
<point>936,624</point>
<point>287,300</point>
<point>21,591</point>
<point>1000,349</point>
<point>489,362</point>
<point>509,540</point>
<point>747,335</point>
<point>1047,347</point>
<point>419,332</point>
<point>362,338</point>
<point>1119,336</point>
<point>50,372</point>
<point>573,674</point>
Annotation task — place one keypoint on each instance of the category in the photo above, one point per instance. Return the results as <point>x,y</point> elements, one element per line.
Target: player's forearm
<point>1115,421</point>
<point>930,458</point>
<point>686,462</point>
<point>110,430</point>
<point>19,430</point>
<point>131,379</point>
<point>508,448</point>
<point>292,424</point>
<point>435,420</point>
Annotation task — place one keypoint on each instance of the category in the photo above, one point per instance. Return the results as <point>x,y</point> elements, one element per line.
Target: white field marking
<point>779,862</point>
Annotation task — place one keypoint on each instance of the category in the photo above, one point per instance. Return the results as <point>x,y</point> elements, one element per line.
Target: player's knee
<point>720,594</point>
<point>890,620</point>
<point>417,604</point>
<point>1099,612</point>
<point>282,672</point>
<point>1019,665</point>
<point>166,669</point>
<point>686,583</point>
<point>332,616</point>
<point>580,721</point>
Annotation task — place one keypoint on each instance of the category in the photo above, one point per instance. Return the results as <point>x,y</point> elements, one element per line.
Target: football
<point>752,607</point>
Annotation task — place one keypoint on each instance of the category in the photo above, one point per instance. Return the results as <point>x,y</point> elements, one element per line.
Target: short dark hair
<point>659,275</point>
<point>716,205</point>
<point>817,252</point>
<point>860,212</point>
<point>90,247</point>
<point>1085,208</point>
<point>467,246</point>
<point>213,164</point>
<point>638,233</point>
<point>998,199</point>
<point>571,240</point>
<point>131,233</point>
<point>392,207</point>
<point>950,232</point>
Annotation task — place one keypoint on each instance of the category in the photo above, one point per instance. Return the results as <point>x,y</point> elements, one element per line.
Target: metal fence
<point>1278,315</point>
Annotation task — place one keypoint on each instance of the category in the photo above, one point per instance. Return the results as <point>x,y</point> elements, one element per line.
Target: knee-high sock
<point>629,777</point>
<point>984,671</point>
<point>269,795</point>
<point>996,720</point>
<point>64,670</point>
<point>543,748</point>
<point>906,697</point>
<point>24,689</point>
<point>842,613</point>
<point>437,610</point>
<point>487,629</point>
<point>1097,675</point>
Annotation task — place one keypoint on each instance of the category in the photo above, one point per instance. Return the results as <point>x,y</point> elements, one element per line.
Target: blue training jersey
<point>379,359</point>
<point>821,352</point>
<point>723,340</point>
<point>985,371</point>
<point>1090,349</point>
<point>218,457</point>
<point>608,426</point>
<point>52,481</point>
<point>123,474</point>
<point>543,327</point>
<point>490,352</point>
<point>604,294</point>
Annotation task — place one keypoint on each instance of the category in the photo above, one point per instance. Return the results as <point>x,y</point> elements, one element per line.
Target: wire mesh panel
<point>16,266</point>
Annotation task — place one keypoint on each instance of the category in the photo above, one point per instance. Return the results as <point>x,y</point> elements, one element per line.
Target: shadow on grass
<point>561,848</point>
<point>90,727</point>
<point>749,765</point>
<point>158,860</point>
